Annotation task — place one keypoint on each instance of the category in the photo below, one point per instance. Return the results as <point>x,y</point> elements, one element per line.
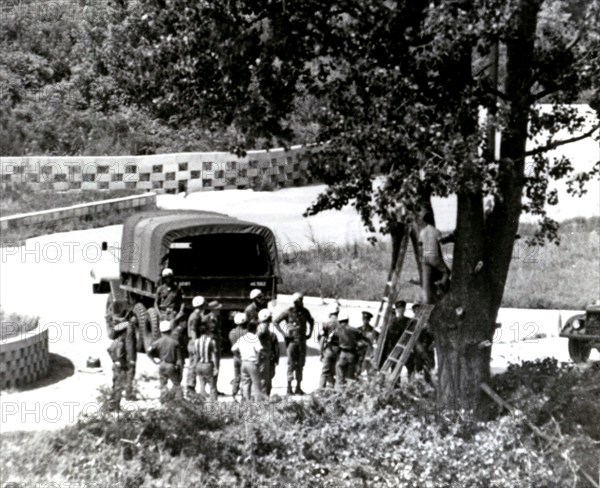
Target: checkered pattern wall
<point>23,359</point>
<point>165,173</point>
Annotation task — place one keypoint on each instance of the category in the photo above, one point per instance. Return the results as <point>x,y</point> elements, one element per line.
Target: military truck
<point>583,332</point>
<point>211,254</point>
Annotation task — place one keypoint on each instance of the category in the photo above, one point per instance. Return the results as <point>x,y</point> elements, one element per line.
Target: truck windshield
<point>220,255</point>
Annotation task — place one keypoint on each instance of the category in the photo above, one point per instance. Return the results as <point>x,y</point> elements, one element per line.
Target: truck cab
<point>583,332</point>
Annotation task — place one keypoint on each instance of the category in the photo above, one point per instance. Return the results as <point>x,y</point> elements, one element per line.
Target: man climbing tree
<point>390,95</point>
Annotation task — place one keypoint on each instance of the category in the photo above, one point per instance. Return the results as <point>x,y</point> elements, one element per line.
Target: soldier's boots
<point>299,390</point>
<point>289,388</point>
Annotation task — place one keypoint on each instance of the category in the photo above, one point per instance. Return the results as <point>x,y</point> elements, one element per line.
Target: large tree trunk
<point>464,320</point>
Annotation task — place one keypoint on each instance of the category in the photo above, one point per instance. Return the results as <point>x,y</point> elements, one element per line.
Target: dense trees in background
<point>57,98</point>
<point>379,87</point>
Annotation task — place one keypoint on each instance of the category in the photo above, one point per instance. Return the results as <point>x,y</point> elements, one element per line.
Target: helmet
<point>239,318</point>
<point>297,296</point>
<point>255,293</point>
<point>344,318</point>
<point>198,301</point>
<point>167,272</point>
<point>333,309</point>
<point>165,326</point>
<point>264,314</point>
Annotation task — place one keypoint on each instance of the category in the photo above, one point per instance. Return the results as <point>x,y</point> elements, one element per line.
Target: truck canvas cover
<point>147,237</point>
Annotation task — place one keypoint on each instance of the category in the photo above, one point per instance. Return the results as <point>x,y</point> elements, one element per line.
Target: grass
<point>21,198</point>
<point>566,276</point>
<point>363,436</point>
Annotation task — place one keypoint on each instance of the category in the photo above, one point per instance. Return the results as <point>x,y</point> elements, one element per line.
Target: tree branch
<point>555,144</point>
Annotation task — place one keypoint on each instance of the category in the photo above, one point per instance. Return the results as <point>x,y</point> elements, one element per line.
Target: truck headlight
<point>576,324</point>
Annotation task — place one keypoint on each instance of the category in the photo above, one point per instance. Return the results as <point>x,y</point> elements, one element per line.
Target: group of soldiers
<point>345,351</point>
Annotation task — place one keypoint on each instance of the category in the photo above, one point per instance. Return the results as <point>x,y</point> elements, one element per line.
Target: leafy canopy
<point>379,87</point>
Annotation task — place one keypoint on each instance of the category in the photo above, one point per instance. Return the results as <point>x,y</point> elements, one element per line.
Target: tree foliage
<point>384,85</point>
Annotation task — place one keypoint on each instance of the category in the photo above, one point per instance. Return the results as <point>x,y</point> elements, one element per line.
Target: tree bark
<point>464,320</point>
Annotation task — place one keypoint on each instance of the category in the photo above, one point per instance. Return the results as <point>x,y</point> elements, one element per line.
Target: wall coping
<point>79,205</point>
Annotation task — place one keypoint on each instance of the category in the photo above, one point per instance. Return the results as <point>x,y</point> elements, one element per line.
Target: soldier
<point>350,340</point>
<point>432,261</point>
<point>129,321</point>
<point>423,358</point>
<point>396,328</point>
<point>194,323</point>
<point>170,360</point>
<point>258,303</point>
<point>234,335</point>
<point>330,348</point>
<point>207,366</point>
<point>269,356</point>
<point>118,353</point>
<point>296,317</point>
<point>249,348</point>
<point>212,319</point>
<point>169,299</point>
<point>365,354</point>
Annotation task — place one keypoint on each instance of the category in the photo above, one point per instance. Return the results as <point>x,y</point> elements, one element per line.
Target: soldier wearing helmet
<point>350,340</point>
<point>365,353</point>
<point>236,333</point>
<point>118,353</point>
<point>297,319</point>
<point>330,348</point>
<point>169,299</point>
<point>194,323</point>
<point>258,303</point>
<point>269,356</point>
<point>167,354</point>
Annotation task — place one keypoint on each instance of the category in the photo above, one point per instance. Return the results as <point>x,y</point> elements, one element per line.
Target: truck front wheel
<point>579,350</point>
<point>152,331</point>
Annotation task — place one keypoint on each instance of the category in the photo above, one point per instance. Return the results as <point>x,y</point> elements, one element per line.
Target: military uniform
<point>171,361</point>
<point>130,352</point>
<point>251,312</point>
<point>365,354</point>
<point>268,358</point>
<point>118,353</point>
<point>194,323</point>
<point>330,349</point>
<point>168,301</point>
<point>350,339</point>
<point>395,330</point>
<point>297,319</point>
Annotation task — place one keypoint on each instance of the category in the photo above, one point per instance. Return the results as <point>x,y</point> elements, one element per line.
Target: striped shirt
<point>204,348</point>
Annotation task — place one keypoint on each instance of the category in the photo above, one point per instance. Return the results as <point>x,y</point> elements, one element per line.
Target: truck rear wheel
<point>141,314</point>
<point>579,350</point>
<point>152,331</point>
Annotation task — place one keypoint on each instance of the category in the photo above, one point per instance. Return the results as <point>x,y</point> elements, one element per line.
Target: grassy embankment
<point>364,436</point>
<point>563,277</point>
<point>18,199</point>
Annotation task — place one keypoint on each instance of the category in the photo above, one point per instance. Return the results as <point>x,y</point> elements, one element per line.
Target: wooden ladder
<point>387,302</point>
<point>405,345</point>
